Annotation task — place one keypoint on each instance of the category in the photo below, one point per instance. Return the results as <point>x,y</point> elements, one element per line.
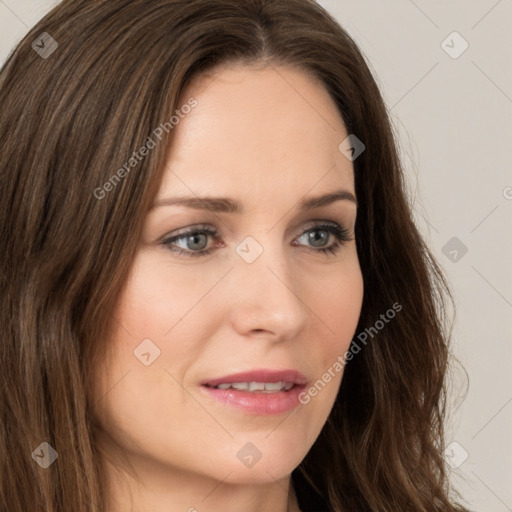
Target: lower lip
<point>258,403</point>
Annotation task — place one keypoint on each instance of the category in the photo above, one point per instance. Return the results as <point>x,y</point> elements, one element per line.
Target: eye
<point>193,242</point>
<point>340,234</point>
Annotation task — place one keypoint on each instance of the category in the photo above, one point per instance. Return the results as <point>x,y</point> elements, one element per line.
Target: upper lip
<point>262,375</point>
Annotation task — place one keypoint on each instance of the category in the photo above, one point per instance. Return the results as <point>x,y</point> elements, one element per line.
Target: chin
<point>259,463</point>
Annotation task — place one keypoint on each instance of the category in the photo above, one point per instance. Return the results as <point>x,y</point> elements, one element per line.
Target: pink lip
<point>254,402</point>
<point>263,375</point>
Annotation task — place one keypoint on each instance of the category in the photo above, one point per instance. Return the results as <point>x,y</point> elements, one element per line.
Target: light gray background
<point>453,120</point>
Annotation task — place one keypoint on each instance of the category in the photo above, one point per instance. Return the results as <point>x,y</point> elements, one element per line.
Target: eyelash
<point>341,234</point>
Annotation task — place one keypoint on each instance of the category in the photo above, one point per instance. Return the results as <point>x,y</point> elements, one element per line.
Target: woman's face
<point>251,291</point>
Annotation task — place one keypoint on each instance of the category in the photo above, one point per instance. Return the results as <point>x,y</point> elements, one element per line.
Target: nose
<point>267,298</point>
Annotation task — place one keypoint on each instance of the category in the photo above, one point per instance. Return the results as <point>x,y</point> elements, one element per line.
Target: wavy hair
<point>69,120</point>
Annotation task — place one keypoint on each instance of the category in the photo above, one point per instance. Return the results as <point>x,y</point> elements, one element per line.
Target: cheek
<point>339,307</point>
<point>158,296</point>
<point>160,313</point>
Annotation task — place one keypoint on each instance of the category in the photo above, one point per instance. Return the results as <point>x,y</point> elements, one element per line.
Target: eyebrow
<point>227,205</point>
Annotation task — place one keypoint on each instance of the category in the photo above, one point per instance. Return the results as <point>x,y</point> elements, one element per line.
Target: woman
<point>214,296</point>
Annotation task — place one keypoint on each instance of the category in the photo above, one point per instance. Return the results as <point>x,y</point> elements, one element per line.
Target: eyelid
<point>321,222</point>
<point>213,231</point>
<point>207,228</point>
<point>342,228</point>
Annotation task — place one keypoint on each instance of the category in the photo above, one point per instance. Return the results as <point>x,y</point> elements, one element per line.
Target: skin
<point>265,137</point>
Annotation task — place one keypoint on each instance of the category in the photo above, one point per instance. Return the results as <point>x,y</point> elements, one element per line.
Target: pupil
<point>194,240</point>
<point>313,238</point>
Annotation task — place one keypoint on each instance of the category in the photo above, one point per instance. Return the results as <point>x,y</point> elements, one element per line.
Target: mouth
<point>258,392</point>
<point>256,387</point>
<point>263,376</point>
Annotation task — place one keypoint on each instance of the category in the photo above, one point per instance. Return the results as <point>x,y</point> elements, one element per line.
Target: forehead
<point>257,127</point>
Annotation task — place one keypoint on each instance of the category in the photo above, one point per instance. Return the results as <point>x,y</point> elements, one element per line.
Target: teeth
<point>263,387</point>
<point>241,386</point>
<point>257,386</point>
<point>274,386</point>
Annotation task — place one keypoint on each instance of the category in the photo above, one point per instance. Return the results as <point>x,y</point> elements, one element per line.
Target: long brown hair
<point>69,120</point>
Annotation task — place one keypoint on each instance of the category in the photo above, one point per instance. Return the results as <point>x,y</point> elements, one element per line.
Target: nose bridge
<point>268,287</point>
